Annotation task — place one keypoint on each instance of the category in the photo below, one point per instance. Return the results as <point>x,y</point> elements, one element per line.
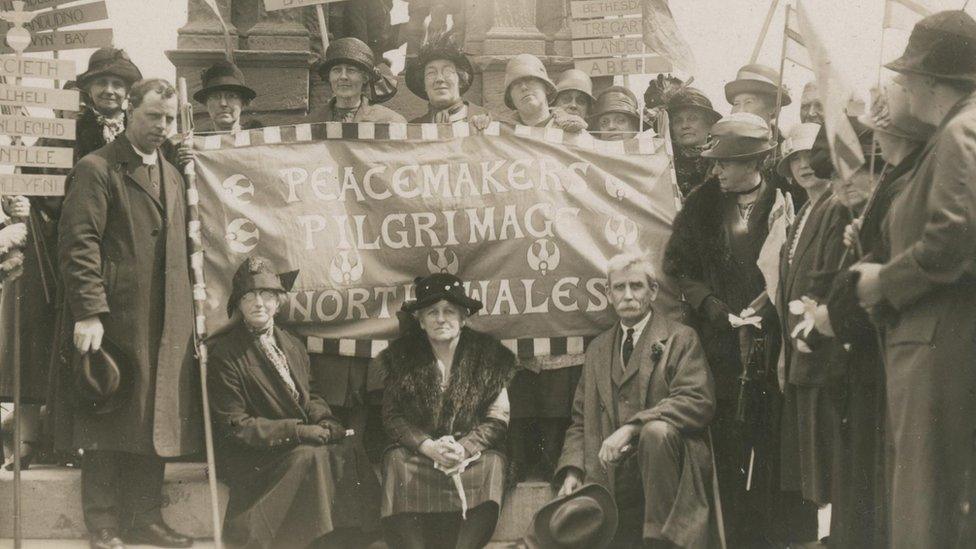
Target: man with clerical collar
<point>123,260</point>
<point>350,69</point>
<point>441,74</point>
<point>642,405</point>
<point>225,95</point>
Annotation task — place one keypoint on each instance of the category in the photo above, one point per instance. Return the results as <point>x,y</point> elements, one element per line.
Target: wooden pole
<point>765,29</point>
<point>323,29</point>
<point>779,83</point>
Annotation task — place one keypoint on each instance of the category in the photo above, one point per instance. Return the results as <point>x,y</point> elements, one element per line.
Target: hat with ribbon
<point>255,274</point>
<point>350,51</point>
<point>756,78</point>
<point>692,98</point>
<point>102,378</point>
<point>616,99</point>
<point>110,61</point>
<point>440,286</point>
<point>440,46</point>
<point>942,45</point>
<point>740,136</point>
<point>223,76</point>
<point>584,519</point>
<point>574,80</point>
<point>526,65</point>
<point>801,138</point>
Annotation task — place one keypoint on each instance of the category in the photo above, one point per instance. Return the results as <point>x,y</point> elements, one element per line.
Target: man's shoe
<point>158,534</point>
<point>106,538</point>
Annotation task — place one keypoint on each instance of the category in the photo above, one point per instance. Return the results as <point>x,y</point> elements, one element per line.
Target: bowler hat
<point>740,135</point>
<point>349,50</point>
<point>111,61</point>
<point>577,80</point>
<point>440,286</point>
<point>801,138</point>
<point>692,98</point>
<point>942,45</point>
<point>756,78</point>
<point>584,519</point>
<point>526,65</point>
<point>439,46</point>
<point>102,378</point>
<point>223,76</point>
<point>616,99</point>
<point>255,273</point>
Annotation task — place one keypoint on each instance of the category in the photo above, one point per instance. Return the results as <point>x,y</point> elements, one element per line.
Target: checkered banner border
<point>643,144</point>
<point>523,348</point>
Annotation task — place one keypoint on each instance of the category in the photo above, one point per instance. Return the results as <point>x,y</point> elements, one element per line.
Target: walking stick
<point>195,249</point>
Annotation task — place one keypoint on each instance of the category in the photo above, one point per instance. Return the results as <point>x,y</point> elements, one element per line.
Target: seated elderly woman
<point>295,477</point>
<point>445,406</point>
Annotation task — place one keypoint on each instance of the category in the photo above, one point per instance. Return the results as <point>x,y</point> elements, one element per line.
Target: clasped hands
<point>445,451</point>
<point>320,433</point>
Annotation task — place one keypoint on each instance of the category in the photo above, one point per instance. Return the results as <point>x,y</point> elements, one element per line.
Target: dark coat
<point>929,283</point>
<point>366,113</point>
<point>473,110</point>
<point>677,388</point>
<point>123,256</point>
<point>415,408</point>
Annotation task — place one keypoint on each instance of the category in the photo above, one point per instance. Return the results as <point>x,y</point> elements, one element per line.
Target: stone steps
<point>52,504</point>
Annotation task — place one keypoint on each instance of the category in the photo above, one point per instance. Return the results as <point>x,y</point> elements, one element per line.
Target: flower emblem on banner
<point>446,261</point>
<point>238,187</point>
<point>346,267</point>
<point>543,255</point>
<point>615,187</point>
<point>242,235</point>
<point>621,231</point>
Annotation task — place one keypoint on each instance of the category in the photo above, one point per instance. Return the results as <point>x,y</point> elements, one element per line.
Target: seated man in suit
<point>643,402</point>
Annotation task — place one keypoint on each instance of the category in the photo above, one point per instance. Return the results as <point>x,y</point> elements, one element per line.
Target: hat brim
<point>722,151</point>
<point>323,67</point>
<point>594,118</point>
<point>282,283</point>
<point>129,74</point>
<point>911,64</point>
<point>559,92</point>
<point>550,91</point>
<point>415,73</point>
<point>736,87</point>
<point>712,113</point>
<point>783,166</point>
<point>101,400</point>
<point>247,94</point>
<point>472,305</point>
<point>540,537</point>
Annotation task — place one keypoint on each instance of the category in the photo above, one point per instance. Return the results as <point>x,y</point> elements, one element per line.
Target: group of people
<point>844,378</point>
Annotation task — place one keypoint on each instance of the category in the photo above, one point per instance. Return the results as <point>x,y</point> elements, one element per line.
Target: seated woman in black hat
<point>445,406</point>
<point>295,477</point>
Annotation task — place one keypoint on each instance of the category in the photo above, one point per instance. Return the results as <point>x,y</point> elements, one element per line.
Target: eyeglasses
<point>266,296</point>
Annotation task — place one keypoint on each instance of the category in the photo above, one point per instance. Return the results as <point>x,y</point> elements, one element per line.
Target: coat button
<point>155,232</point>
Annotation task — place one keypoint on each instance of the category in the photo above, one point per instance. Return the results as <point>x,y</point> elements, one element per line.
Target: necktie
<point>628,348</point>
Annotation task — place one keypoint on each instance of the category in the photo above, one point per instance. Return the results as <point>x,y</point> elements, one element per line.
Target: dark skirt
<point>412,485</point>
<point>301,495</point>
<point>809,427</point>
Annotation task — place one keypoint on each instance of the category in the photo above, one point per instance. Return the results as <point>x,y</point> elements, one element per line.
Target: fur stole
<point>482,368</point>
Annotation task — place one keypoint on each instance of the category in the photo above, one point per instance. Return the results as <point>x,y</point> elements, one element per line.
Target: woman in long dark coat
<point>445,406</point>
<point>295,477</point>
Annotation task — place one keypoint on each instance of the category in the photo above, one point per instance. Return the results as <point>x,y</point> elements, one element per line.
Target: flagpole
<point>779,83</point>
<point>765,30</point>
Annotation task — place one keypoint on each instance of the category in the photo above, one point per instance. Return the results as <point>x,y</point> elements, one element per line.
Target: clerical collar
<point>639,327</point>
<point>747,191</point>
<point>147,159</point>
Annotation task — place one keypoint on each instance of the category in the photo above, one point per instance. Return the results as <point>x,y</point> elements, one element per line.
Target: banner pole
<point>323,30</point>
<point>195,249</point>
<point>779,83</point>
<point>765,29</point>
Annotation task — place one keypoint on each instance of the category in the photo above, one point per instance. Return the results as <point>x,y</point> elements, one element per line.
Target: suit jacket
<point>254,415</point>
<point>428,117</point>
<point>677,388</point>
<point>123,257</point>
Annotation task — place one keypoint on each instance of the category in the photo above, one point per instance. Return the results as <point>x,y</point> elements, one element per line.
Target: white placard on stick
<point>32,184</point>
<point>34,5</point>
<point>606,28</point>
<point>601,8</point>
<point>12,66</point>
<point>273,5</point>
<point>37,157</point>
<point>24,96</point>
<point>607,47</point>
<point>624,65</point>
<point>29,126</point>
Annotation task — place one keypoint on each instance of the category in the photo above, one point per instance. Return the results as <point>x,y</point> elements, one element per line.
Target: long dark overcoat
<point>930,346</point>
<point>123,256</point>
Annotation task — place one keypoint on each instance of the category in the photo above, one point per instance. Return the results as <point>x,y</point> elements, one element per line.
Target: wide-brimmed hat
<point>616,99</point>
<point>526,65</point>
<point>890,114</point>
<point>801,138</point>
<point>102,378</point>
<point>255,273</point>
<point>942,45</point>
<point>739,136</point>
<point>223,76</point>
<point>349,50</point>
<point>692,98</point>
<point>584,519</point>
<point>431,289</point>
<point>574,80</point>
<point>439,46</point>
<point>111,61</point>
<point>756,78</point>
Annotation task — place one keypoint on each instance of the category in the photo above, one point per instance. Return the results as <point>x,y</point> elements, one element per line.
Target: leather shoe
<point>158,534</point>
<point>105,538</point>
